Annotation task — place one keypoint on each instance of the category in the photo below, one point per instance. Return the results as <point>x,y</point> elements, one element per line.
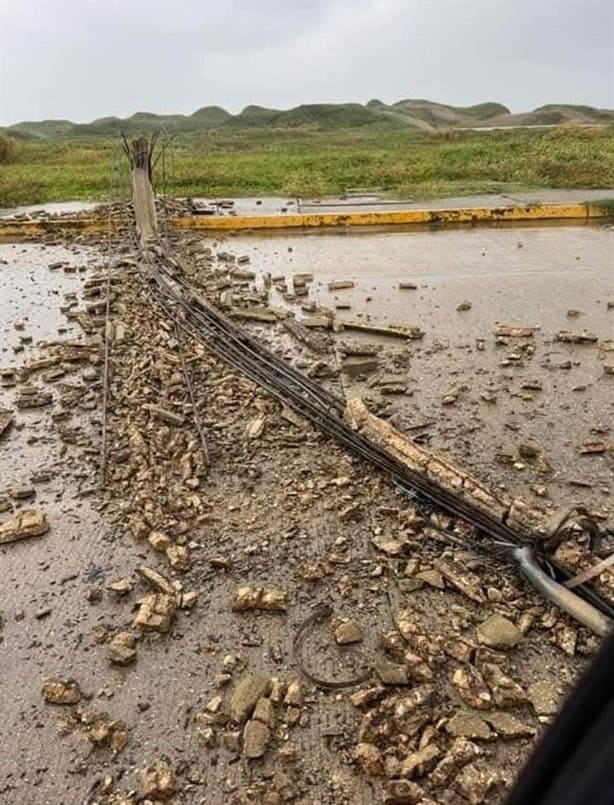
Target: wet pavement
<point>49,616</point>
<point>552,278</point>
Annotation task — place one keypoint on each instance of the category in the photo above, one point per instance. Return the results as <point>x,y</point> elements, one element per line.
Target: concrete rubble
<point>227,522</point>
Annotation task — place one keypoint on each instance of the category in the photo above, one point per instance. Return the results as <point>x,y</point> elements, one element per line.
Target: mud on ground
<point>160,637</point>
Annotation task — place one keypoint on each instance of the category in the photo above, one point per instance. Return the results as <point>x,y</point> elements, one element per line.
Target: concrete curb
<point>441,217</point>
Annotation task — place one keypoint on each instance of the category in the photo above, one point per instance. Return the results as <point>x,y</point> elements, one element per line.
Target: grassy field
<point>310,162</point>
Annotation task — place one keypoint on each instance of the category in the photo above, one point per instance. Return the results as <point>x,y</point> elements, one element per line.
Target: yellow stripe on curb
<point>469,215</point>
<point>472,215</point>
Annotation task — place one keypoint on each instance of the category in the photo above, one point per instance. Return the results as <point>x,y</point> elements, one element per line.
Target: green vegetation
<point>9,148</point>
<point>306,160</point>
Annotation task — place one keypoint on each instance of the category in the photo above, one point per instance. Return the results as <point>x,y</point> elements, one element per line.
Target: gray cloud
<point>82,59</point>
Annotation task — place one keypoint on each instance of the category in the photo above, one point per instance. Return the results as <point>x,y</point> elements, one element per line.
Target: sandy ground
<point>276,514</point>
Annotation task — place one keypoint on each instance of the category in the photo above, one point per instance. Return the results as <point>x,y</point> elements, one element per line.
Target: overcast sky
<point>82,59</point>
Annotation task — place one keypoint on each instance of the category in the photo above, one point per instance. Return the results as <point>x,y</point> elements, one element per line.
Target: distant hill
<point>416,114</point>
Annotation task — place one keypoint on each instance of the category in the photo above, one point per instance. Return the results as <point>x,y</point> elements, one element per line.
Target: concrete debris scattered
<point>23,526</point>
<point>58,691</point>
<point>264,598</point>
<point>231,500</point>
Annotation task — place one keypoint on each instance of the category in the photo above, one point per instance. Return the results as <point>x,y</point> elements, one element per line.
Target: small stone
<point>156,612</point>
<point>508,726</point>
<point>26,524</point>
<point>264,712</point>
<point>59,691</point>
<point>157,781</point>
<point>232,741</point>
<point>474,784</point>
<point>178,557</point>
<point>156,580</point>
<point>120,587</point>
<point>264,598</point>
<point>159,541</point>
<point>22,491</point>
<point>469,725</point>
<point>472,688</point>
<point>348,632</point>
<point>122,648</point>
<point>464,306</point>
<point>403,792</point>
<point>544,697</point>
<point>431,577</point>
<point>294,694</point>
<point>255,427</point>
<point>498,632</point>
<point>256,736</point>
<point>505,691</point>
<point>246,694</point>
<point>461,752</point>
<point>391,673</point>
<point>213,705</point>
<point>369,758</point>
<point>419,763</point>
<point>188,599</point>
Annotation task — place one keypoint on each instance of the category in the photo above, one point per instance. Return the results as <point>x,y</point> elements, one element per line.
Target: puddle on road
<point>32,293</point>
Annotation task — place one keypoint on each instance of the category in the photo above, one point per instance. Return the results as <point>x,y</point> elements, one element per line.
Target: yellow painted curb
<point>470,215</point>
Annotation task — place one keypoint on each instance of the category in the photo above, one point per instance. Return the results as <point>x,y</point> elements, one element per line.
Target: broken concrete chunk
<point>121,586</point>
<point>467,582</point>
<point>391,673</point>
<point>158,781</point>
<point>394,332</point>
<point>264,712</point>
<point>513,331</point>
<point>348,632</point>
<point>294,694</point>
<point>498,632</point>
<point>576,338</point>
<point>178,557</point>
<point>369,758</point>
<point>465,305</point>
<point>61,691</point>
<point>407,286</point>
<point>461,752</point>
<point>354,367</point>
<point>473,784</point>
<point>6,420</point>
<point>339,285</point>
<point>419,763</point>
<point>122,648</point>
<point>472,688</point>
<point>32,397</point>
<point>263,598</point>
<point>245,696</point>
<point>544,697</point>
<point>156,580</point>
<point>170,417</point>
<point>469,725</point>
<point>255,427</point>
<point>508,726</point>
<point>102,730</point>
<point>506,692</point>
<point>159,541</point>
<point>256,736</point>
<point>156,612</point>
<point>593,448</point>
<point>25,525</point>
